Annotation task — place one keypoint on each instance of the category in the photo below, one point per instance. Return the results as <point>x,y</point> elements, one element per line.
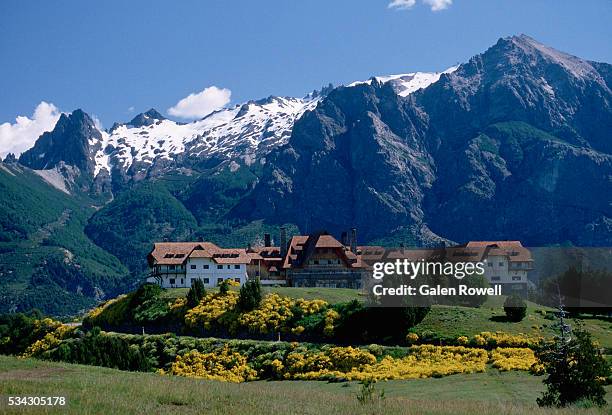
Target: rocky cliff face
<point>522,140</point>
<point>69,150</point>
<point>69,142</point>
<point>513,144</point>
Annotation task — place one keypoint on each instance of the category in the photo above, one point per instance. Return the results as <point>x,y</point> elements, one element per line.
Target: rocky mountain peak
<point>524,51</point>
<point>147,118</point>
<point>68,142</point>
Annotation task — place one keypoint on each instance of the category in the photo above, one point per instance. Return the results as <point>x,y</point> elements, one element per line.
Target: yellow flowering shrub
<point>513,358</point>
<point>310,306</point>
<point>50,339</point>
<point>233,283</point>
<point>347,363</point>
<point>347,358</point>
<point>412,338</point>
<point>178,304</point>
<point>298,330</point>
<point>501,339</point>
<point>297,364</point>
<point>479,340</point>
<point>225,366</point>
<point>210,309</point>
<point>331,316</point>
<point>98,310</point>
<point>271,315</point>
<point>463,340</point>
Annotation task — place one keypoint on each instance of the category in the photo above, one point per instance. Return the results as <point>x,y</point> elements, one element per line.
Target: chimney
<point>267,240</point>
<point>283,241</point>
<point>344,238</point>
<point>354,240</point>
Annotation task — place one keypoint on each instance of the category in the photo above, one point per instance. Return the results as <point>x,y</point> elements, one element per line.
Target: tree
<point>575,366</point>
<point>196,293</point>
<point>250,295</point>
<point>515,308</point>
<point>224,287</point>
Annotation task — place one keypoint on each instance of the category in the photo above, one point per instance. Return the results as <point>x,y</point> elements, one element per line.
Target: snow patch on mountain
<point>406,84</point>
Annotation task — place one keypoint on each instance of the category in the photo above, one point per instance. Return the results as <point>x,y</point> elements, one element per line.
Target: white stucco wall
<point>508,273</point>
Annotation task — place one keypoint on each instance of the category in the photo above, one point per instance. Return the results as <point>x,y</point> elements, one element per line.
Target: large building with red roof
<point>320,260</point>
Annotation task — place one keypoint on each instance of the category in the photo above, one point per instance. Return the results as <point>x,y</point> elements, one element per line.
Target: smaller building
<point>507,264</point>
<point>179,264</point>
<point>266,265</point>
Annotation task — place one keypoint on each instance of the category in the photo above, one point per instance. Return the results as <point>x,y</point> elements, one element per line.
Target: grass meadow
<point>95,390</point>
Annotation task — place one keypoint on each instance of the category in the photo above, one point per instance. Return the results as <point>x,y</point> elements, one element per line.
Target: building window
<point>182,281</point>
<point>237,266</point>
<point>516,278</point>
<point>490,264</point>
<point>172,281</point>
<point>219,280</point>
<point>501,264</point>
<point>172,267</point>
<point>219,266</point>
<point>495,278</point>
<point>206,280</point>
<point>193,266</point>
<point>316,262</point>
<point>237,280</point>
<point>205,266</point>
<point>228,267</point>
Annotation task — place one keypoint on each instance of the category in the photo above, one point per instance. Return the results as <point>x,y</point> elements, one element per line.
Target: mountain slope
<point>521,138</point>
<point>499,148</point>
<point>127,226</point>
<point>46,261</point>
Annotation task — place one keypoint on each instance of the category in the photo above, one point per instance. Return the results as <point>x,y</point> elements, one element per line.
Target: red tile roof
<point>176,253</point>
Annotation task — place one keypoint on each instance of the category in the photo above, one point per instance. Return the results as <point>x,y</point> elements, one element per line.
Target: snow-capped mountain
<point>243,131</point>
<point>150,144</point>
<point>406,84</point>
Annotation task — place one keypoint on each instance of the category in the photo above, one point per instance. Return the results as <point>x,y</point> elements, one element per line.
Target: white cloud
<point>21,136</point>
<point>437,5</point>
<point>97,122</point>
<point>197,105</point>
<point>402,4</point>
<point>131,109</point>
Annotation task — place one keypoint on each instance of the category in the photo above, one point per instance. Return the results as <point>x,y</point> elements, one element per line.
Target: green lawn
<point>464,321</point>
<point>94,390</point>
<point>331,295</point>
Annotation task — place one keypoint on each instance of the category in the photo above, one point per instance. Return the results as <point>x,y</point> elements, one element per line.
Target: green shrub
<point>250,296</point>
<point>515,308</point>
<point>196,293</point>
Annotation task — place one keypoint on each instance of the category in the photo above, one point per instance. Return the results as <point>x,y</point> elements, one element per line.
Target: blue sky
<point>117,58</point>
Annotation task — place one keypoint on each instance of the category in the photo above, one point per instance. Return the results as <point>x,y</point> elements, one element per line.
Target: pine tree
<point>196,293</point>
<point>250,295</point>
<point>576,368</point>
